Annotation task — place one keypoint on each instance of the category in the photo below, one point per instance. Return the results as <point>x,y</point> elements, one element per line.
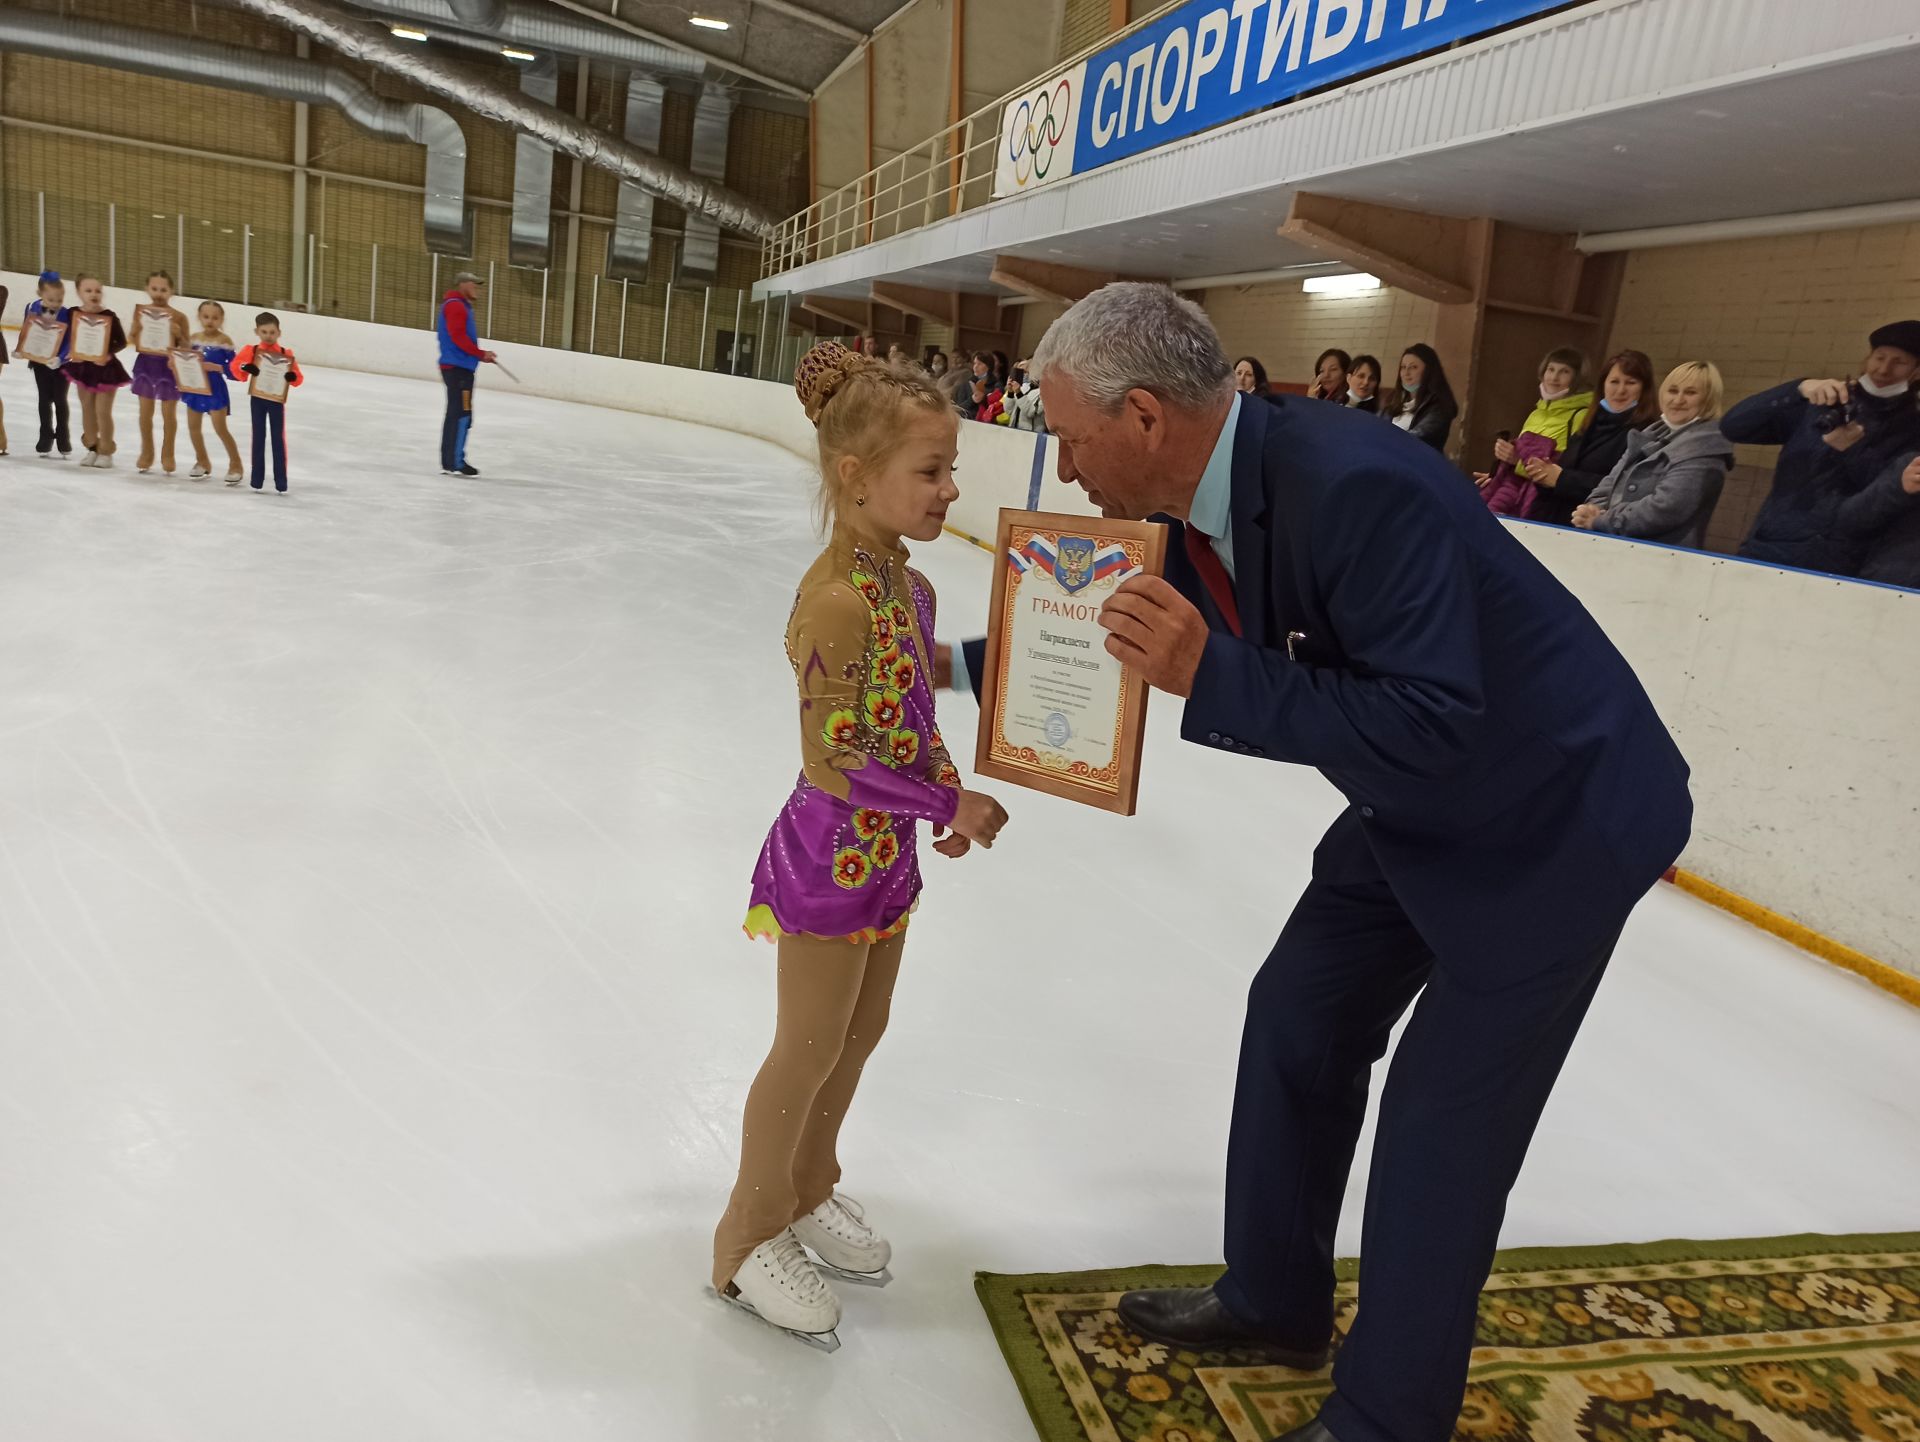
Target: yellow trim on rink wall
<point>1887,978</point>
<point>971,540</point>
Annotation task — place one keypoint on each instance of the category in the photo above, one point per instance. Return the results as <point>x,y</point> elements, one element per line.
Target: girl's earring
<point>859,500</point>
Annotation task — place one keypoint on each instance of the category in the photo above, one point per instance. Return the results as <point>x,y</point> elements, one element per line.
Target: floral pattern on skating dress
<point>841,859</point>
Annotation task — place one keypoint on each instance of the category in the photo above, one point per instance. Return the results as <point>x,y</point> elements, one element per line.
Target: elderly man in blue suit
<point>1338,596</point>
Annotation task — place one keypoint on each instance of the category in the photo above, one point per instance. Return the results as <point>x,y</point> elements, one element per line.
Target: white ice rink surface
<point>376,1020</point>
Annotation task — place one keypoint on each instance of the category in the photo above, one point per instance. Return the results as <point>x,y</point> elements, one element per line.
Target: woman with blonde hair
<point>1665,486</point>
<point>838,877</point>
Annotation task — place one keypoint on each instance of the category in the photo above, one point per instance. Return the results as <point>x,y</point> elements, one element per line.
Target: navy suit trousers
<point>1465,1090</point>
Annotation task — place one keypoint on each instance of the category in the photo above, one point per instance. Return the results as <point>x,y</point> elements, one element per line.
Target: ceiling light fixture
<point>512,54</point>
<point>706,24</point>
<point>1350,284</point>
<point>402,32</point>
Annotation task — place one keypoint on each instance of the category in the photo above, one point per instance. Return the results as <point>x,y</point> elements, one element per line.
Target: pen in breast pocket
<point>1294,638</point>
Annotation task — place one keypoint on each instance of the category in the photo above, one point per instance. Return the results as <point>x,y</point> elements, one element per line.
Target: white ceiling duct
<point>481,14</point>
<point>530,235</point>
<point>566,133</point>
<point>229,67</point>
<point>632,246</point>
<point>712,122</point>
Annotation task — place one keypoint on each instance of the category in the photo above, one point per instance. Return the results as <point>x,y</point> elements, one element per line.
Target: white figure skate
<point>779,1285</point>
<point>837,1233</point>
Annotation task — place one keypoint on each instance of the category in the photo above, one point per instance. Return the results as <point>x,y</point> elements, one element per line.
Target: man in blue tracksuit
<point>460,357</point>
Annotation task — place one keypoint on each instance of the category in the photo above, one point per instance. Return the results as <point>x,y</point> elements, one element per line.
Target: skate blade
<point>857,1279</point>
<point>819,1341</point>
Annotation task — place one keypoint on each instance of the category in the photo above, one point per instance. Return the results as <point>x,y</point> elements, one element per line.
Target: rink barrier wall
<point>1796,799</point>
<point>1789,692</point>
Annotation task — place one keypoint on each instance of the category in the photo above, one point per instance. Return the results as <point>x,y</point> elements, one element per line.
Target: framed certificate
<point>271,383</point>
<point>92,337</point>
<point>190,373</point>
<point>1057,712</point>
<point>153,329</point>
<point>41,337</point>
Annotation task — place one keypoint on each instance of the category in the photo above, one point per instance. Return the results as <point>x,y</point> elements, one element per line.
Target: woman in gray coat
<point>1666,485</point>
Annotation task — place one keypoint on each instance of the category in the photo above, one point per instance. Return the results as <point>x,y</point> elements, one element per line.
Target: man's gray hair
<point>1136,336</point>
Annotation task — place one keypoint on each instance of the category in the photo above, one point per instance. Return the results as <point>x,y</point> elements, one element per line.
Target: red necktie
<point>1214,576</point>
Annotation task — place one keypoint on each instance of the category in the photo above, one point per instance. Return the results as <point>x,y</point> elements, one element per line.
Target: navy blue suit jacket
<point>1508,776</point>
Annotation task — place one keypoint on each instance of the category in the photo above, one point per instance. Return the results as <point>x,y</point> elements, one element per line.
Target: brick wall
<point>1084,23</point>
<point>1034,320</point>
<point>1287,329</point>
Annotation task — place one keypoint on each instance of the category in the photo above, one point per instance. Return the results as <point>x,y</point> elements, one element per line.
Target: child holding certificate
<point>216,354</point>
<point>94,342</point>
<point>43,344</point>
<point>159,330</point>
<point>272,371</point>
<point>838,876</point>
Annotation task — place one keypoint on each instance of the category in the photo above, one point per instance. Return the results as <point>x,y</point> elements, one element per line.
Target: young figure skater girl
<point>839,876</point>
<point>153,379</point>
<point>98,381</point>
<point>216,352</point>
<point>49,380</point>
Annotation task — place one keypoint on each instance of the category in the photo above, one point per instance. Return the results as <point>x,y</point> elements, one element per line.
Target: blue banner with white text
<point>1210,62</point>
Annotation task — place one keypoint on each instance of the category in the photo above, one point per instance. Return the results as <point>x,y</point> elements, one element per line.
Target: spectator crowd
<point>1617,451</point>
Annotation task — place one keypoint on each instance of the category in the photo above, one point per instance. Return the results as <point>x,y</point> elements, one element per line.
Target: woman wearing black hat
<point>1835,438</point>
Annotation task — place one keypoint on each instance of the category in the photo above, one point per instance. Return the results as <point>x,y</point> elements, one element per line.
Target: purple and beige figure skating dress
<point>840,861</point>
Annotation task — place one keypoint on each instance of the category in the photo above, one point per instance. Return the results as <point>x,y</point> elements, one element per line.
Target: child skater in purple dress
<point>153,379</point>
<point>839,876</point>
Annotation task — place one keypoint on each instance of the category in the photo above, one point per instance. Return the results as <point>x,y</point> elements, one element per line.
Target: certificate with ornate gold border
<point>153,329</point>
<point>1057,712</point>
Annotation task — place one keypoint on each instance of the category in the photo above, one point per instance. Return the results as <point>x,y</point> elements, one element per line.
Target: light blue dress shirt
<point>1212,513</point>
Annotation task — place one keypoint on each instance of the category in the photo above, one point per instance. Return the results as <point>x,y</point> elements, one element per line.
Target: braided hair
<point>862,409</point>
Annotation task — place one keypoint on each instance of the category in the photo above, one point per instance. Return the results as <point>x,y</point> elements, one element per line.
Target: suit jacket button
<point>1259,753</point>
<point>1367,811</point>
<point>1214,737</point>
<point>1226,741</point>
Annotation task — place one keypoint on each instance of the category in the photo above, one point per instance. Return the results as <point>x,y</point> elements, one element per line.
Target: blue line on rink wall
<point>1212,61</point>
<point>1039,471</point>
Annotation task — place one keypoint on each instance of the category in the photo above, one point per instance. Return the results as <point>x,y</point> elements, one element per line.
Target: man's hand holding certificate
<point>1157,631</point>
<point>1060,712</point>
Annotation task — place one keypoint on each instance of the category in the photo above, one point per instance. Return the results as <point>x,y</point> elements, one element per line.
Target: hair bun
<point>822,371</point>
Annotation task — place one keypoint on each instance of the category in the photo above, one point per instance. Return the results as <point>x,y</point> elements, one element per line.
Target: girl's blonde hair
<point>861,409</point>
<point>1708,374</point>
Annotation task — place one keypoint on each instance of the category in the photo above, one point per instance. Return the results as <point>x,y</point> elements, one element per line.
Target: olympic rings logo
<point>1035,130</point>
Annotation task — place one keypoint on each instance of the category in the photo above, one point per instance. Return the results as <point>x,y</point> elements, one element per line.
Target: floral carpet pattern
<point>1791,1339</point>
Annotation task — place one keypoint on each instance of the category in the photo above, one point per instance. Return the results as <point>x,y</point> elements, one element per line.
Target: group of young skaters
<point>153,381</point>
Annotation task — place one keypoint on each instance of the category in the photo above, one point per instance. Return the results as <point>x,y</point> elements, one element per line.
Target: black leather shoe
<point>1195,1317</point>
<point>1314,1431</point>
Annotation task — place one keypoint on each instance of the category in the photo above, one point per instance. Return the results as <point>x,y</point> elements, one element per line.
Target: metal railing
<point>944,175</point>
<point>687,324</point>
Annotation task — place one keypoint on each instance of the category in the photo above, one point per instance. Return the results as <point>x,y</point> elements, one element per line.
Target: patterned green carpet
<point>1789,1339</point>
